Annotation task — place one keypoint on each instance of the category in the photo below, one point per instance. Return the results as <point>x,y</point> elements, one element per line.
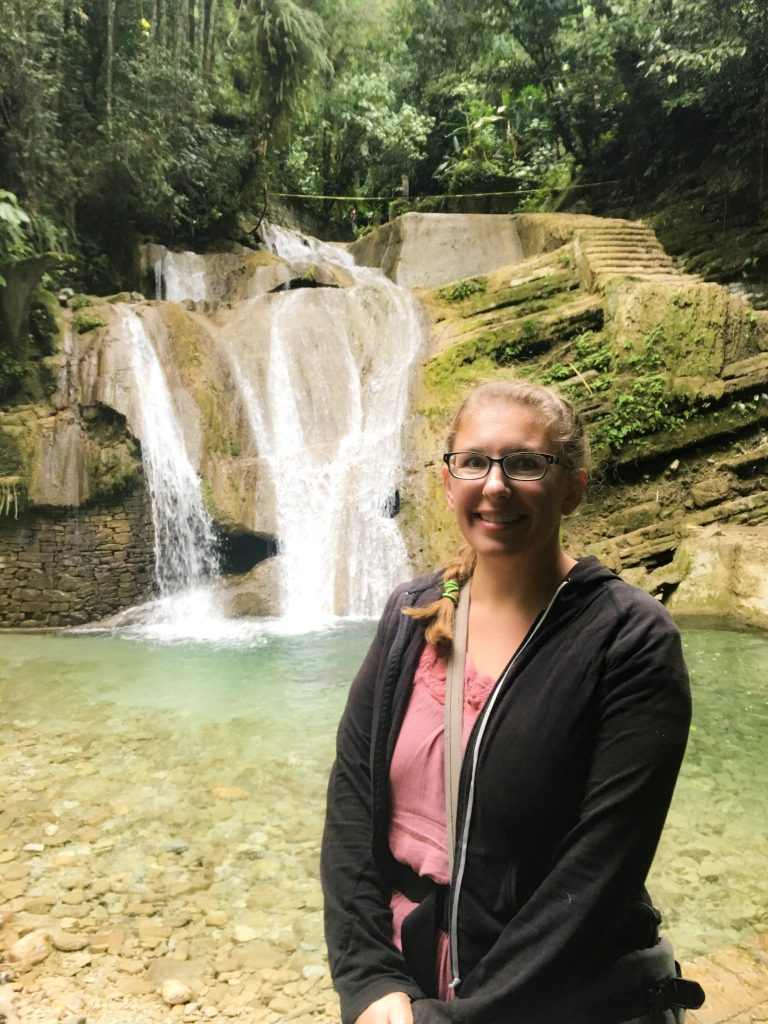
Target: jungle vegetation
<point>166,119</point>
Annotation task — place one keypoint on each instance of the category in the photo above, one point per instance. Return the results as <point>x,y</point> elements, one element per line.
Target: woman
<point>575,714</point>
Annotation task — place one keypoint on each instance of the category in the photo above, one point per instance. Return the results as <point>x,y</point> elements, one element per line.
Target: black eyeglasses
<point>515,466</point>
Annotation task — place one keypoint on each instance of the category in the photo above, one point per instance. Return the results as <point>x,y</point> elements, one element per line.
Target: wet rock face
<point>254,593</point>
<point>422,250</point>
<point>722,570</point>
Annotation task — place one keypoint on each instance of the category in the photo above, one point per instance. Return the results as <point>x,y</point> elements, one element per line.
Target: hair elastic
<point>451,590</point>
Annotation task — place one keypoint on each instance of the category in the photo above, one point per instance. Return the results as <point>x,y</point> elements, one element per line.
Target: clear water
<point>114,748</point>
<point>710,877</point>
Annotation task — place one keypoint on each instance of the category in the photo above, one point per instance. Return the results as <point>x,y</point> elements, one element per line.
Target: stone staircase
<point>621,248</point>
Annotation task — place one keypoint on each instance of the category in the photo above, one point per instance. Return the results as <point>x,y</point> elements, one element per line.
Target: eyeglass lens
<point>517,465</point>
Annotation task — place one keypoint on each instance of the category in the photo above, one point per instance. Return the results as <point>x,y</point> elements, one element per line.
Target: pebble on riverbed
<point>175,992</point>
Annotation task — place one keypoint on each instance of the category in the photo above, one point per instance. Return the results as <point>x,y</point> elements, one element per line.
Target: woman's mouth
<point>500,518</point>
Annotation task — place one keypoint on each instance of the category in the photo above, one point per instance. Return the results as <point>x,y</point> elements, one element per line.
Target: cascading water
<point>184,537</point>
<point>327,422</point>
<point>180,276</point>
<point>322,378</point>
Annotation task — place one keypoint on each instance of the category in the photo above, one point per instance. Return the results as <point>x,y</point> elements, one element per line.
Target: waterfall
<point>184,536</point>
<point>321,377</point>
<point>180,276</point>
<point>327,422</point>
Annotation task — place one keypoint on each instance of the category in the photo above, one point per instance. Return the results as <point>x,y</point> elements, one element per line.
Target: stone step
<point>628,245</point>
<point>626,259</point>
<point>645,276</point>
<point>624,236</point>
<point>639,232</point>
<point>605,247</point>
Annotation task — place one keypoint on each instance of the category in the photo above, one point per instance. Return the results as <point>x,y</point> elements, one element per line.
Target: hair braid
<point>442,611</point>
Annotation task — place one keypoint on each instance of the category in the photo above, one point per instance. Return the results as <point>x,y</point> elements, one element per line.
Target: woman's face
<point>498,516</point>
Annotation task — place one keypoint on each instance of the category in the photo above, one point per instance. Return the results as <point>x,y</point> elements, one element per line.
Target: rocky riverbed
<point>162,807</point>
<point>140,883</point>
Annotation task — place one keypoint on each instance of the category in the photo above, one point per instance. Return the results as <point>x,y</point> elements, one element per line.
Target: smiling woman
<point>520,894</point>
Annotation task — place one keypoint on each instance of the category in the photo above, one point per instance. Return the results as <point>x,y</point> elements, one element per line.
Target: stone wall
<point>65,567</point>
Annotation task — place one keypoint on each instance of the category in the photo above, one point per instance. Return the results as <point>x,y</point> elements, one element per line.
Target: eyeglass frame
<point>549,460</point>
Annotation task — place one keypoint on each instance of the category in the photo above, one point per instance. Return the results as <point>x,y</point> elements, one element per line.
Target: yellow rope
<point>447,195</point>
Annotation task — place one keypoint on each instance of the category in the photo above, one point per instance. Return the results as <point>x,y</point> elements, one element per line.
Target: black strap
<point>421,925</point>
<point>672,992</point>
<point>657,996</point>
<point>415,887</point>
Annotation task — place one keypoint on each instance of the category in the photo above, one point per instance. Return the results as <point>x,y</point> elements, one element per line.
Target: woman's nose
<point>496,480</point>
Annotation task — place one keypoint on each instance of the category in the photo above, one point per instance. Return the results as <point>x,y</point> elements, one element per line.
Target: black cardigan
<point>575,773</point>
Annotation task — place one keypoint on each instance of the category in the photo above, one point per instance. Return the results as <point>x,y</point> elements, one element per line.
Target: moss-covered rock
<point>669,372</point>
<point>20,443</point>
<point>87,319</point>
<point>80,301</point>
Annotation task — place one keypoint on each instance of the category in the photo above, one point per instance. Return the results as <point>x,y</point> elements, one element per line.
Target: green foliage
<point>362,139</point>
<point>641,410</point>
<point>14,225</point>
<point>11,373</point>
<point>42,328</point>
<point>148,118</point>
<point>463,290</point>
<point>646,408</point>
<point>591,352</point>
<point>85,320</point>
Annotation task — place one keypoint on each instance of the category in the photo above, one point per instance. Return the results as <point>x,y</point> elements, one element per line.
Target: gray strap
<point>454,715</point>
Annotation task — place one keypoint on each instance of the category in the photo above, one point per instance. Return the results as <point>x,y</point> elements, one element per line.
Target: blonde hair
<point>568,433</point>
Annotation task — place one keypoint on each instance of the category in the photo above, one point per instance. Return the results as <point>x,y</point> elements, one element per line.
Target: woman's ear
<point>577,485</point>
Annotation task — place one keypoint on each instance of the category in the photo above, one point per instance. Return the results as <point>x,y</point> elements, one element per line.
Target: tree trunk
<point>110,54</point>
<point>191,25</point>
<point>21,280</point>
<point>181,28</point>
<point>207,36</point>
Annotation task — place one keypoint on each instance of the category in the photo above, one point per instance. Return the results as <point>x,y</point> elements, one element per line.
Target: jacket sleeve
<point>571,923</point>
<point>364,962</point>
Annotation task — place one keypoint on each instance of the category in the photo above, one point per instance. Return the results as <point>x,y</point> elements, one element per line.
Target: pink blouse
<point>418,834</point>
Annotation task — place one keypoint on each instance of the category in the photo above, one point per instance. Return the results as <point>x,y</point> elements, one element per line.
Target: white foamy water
<point>180,276</point>
<point>184,536</point>
<point>294,246</point>
<point>328,423</point>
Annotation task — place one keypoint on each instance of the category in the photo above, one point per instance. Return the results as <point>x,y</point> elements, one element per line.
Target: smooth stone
<point>175,992</point>
<point>31,949</point>
<point>192,973</point>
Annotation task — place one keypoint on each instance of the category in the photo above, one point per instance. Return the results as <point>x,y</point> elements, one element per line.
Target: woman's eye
<point>473,460</point>
<point>521,463</point>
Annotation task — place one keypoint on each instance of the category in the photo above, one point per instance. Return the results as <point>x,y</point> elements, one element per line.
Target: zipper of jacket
<point>458,875</point>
